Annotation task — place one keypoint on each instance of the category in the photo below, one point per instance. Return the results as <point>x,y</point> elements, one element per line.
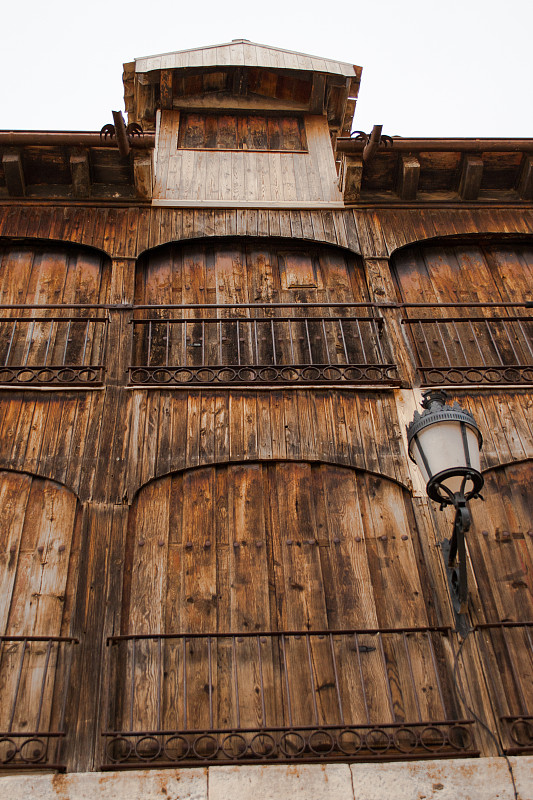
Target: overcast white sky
<point>447,68</point>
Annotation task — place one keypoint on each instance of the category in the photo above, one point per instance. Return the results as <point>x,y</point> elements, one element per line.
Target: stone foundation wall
<point>464,779</point>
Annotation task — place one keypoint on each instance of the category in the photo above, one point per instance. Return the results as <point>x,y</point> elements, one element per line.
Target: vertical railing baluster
<point>85,340</point>
<point>238,344</point>
<point>361,341</point>
<point>6,360</point>
<point>476,340</point>
<point>384,662</point>
<point>30,342</point>
<point>441,322</point>
<point>377,327</point>
<point>411,675</point>
<point>328,356</point>
<point>167,345</point>
<point>261,683</point>
<point>510,340</point>
<point>273,342</point>
<point>436,669</point>
<point>159,681</point>
<point>48,342</point>
<point>17,687</point>
<point>339,320</point>
<point>220,356</point>
<point>185,683</point>
<point>132,687</point>
<point>149,343</point>
<point>210,679</point>
<point>256,342</point>
<point>337,687</point>
<point>306,321</point>
<point>203,343</point>
<point>525,336</point>
<point>311,679</point>
<point>361,677</point>
<point>460,340</point>
<point>290,321</point>
<point>236,681</point>
<point>426,343</point>
<point>43,684</point>
<point>286,674</point>
<point>518,682</point>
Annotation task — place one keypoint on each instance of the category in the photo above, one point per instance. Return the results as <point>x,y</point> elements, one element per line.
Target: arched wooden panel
<point>247,344</point>
<point>52,274</point>
<point>479,344</point>
<point>265,546</point>
<point>248,270</point>
<point>500,543</point>
<point>272,547</point>
<point>38,565</point>
<point>37,519</point>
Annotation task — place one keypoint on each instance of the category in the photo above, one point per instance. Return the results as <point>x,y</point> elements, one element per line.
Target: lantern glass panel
<point>442,444</point>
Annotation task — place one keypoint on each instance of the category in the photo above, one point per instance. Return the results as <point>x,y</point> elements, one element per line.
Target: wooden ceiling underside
<point>74,173</point>
<point>241,87</point>
<point>419,176</point>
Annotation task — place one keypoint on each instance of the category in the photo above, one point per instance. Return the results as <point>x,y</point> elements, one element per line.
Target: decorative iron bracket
<point>454,552</point>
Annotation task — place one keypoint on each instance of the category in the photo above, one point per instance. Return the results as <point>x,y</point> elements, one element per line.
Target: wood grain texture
<point>226,174</point>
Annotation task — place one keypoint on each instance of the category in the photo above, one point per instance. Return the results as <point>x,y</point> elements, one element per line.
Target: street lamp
<point>444,442</point>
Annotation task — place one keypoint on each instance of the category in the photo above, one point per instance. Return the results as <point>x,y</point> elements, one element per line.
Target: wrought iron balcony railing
<point>283,697</point>
<point>507,652</point>
<point>34,677</point>
<point>463,344</point>
<point>55,349</point>
<point>258,344</point>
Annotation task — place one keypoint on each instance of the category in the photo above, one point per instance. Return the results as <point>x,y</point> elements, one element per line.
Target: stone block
<point>523,775</point>
<point>168,784</point>
<point>281,782</point>
<point>455,779</point>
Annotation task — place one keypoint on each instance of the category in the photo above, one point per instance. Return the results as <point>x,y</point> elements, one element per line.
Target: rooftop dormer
<point>245,76</point>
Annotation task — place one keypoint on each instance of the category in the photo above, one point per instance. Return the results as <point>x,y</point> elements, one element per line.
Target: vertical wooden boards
<point>37,537</point>
<point>38,573</point>
<point>258,546</point>
<point>501,545</point>
<point>239,163</point>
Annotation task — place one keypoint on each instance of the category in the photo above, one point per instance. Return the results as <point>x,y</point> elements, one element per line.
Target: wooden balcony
<point>49,347</point>
<point>34,679</point>
<point>283,697</point>
<point>260,344</point>
<point>461,344</point>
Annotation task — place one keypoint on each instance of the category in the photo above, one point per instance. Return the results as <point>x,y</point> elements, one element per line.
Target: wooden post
<point>471,176</point>
<point>14,174</point>
<point>81,179</point>
<point>408,176</point>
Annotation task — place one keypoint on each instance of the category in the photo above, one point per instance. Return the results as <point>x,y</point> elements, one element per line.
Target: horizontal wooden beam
<point>471,177</point>
<point>14,174</point>
<point>142,174</point>
<point>81,178</point>
<point>525,181</point>
<point>408,177</point>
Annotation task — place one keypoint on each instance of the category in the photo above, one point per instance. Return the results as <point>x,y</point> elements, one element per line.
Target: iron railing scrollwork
<point>283,697</point>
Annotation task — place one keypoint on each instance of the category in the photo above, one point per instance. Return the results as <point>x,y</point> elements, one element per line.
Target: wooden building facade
<point>213,547</point>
